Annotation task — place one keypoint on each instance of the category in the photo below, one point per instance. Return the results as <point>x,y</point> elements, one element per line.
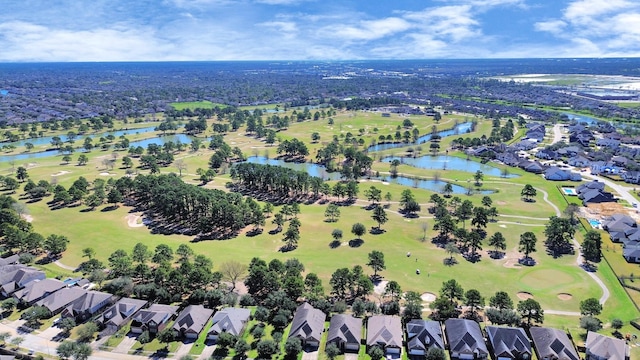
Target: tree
<point>559,232</point>
<point>528,192</point>
<point>336,234</point>
<point>292,347</point>
<point>9,304</point>
<point>379,216</point>
<point>267,348</point>
<point>163,253</point>
<point>447,190</point>
<point>88,252</point>
<point>590,323</point>
<point>464,211</point>
<point>332,351</point>
<point>590,307</point>
<point>376,262</point>
<point>233,271</point>
<point>473,299</point>
<point>166,336</point>
<point>332,212</point>
<point>498,242</point>
<point>358,230</point>
<point>571,211</point>
<point>451,249</point>
<point>527,243</point>
<point>591,246</point>
<point>241,348</point>
<point>435,353</point>
<point>616,325</point>
<point>393,289</point>
<point>86,331</point>
<point>67,324</point>
<point>21,174</point>
<point>486,201</point>
<point>292,235</point>
<point>55,245</point>
<point>452,291</point>
<point>66,349</point>
<point>66,158</point>
<point>531,310</point>
<point>141,253</point>
<point>501,300</point>
<point>478,176</point>
<point>180,165</point>
<point>375,352</point>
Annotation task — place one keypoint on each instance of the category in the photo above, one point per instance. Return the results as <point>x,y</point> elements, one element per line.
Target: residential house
<point>596,196</point>
<point>37,290</point>
<point>191,321</point>
<point>118,314</point>
<point>385,331</point>
<point>10,260</point>
<point>579,161</point>
<point>230,320</point>
<point>600,347</point>
<point>631,177</point>
<point>631,252</point>
<point>345,331</point>
<point>556,174</point>
<point>423,335</point>
<point>593,185</point>
<point>59,300</point>
<point>154,319</point>
<point>509,343</point>
<point>465,339</point>
<point>308,325</point>
<point>547,154</point>
<point>608,143</point>
<point>552,344</point>
<point>90,303</point>
<point>17,277</point>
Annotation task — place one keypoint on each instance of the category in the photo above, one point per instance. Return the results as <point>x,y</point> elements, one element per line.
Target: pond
<point>448,163</point>
<point>582,118</point>
<point>185,139</point>
<point>46,140</point>
<point>319,171</point>
<point>456,130</point>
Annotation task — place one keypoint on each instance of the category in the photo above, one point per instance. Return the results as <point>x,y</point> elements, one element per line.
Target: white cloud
<point>368,30</point>
<point>588,9</point>
<point>26,41</point>
<point>553,26</point>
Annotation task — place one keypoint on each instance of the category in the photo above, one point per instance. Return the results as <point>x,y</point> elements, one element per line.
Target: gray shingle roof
<point>192,319</point>
<point>553,343</point>
<point>121,311</point>
<point>464,336</point>
<point>384,330</point>
<point>508,342</point>
<point>231,320</point>
<point>37,289</point>
<point>158,313</point>
<point>61,298</point>
<point>308,323</point>
<point>423,334</point>
<point>606,347</point>
<point>345,328</point>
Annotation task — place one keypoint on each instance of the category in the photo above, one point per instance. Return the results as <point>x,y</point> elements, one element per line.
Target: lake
<point>459,129</point>
<point>444,163</point>
<point>46,140</point>
<point>320,171</point>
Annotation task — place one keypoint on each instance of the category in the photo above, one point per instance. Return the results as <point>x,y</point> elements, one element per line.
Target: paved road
<point>623,191</point>
<point>557,133</point>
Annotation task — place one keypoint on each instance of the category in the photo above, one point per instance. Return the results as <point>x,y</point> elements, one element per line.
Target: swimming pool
<point>595,223</point>
<point>570,191</point>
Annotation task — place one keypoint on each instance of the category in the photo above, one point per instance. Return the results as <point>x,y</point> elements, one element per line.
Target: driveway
<point>310,354</point>
<point>183,349</point>
<point>350,356</point>
<point>126,344</point>
<point>210,347</point>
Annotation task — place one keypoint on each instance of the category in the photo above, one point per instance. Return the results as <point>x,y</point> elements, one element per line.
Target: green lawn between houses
<point>106,231</point>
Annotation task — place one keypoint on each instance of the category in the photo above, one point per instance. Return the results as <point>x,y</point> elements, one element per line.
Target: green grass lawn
<point>205,104</point>
<point>199,344</point>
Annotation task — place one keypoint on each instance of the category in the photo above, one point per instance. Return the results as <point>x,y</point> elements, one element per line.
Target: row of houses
<point>624,229</point>
<point>463,338</point>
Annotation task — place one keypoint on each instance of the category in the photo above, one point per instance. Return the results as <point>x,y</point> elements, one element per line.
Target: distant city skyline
<point>201,30</point>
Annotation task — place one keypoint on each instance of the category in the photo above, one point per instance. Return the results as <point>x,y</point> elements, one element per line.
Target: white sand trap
<point>503,226</point>
<point>61,172</point>
<point>428,297</point>
<point>565,296</point>
<point>105,174</point>
<point>379,287</point>
<point>27,218</point>
<point>523,295</point>
<point>134,220</point>
<point>385,183</point>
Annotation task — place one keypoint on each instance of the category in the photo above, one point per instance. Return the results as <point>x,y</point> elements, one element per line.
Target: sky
<point>208,30</point>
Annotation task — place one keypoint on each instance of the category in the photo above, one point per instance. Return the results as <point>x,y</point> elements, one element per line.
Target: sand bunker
<point>428,297</point>
<point>512,264</point>
<point>379,287</point>
<point>62,172</point>
<point>523,295</point>
<point>565,296</point>
<point>27,218</point>
<point>134,220</point>
<point>105,174</point>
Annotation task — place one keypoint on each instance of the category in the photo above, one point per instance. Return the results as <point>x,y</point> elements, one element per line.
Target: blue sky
<point>159,30</point>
